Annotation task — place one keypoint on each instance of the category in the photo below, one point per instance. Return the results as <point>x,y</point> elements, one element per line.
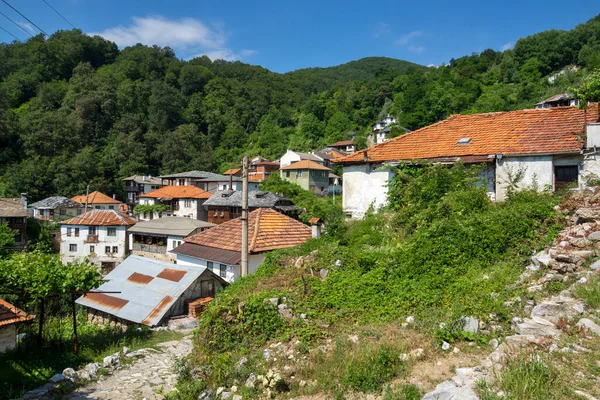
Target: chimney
<point>316,227</point>
<point>114,196</point>
<point>365,157</point>
<point>24,200</point>
<point>593,135</point>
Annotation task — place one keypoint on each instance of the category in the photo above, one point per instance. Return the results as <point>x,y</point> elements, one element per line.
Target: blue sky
<point>284,35</point>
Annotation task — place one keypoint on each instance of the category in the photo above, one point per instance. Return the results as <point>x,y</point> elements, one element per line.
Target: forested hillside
<point>75,108</point>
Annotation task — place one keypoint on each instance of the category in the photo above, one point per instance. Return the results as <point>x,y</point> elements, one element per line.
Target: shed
<point>10,316</point>
<point>150,291</point>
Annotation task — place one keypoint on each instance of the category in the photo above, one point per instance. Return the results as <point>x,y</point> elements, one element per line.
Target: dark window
<point>111,207</point>
<point>209,265</point>
<point>564,176</point>
<point>115,249</point>
<point>69,231</point>
<point>63,211</point>
<point>223,270</point>
<point>92,230</point>
<point>92,249</point>
<point>111,232</point>
<point>72,247</point>
<point>76,232</point>
<point>107,249</point>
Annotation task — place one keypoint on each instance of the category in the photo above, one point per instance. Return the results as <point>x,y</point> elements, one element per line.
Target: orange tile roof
<point>306,164</point>
<point>10,314</point>
<point>178,192</point>
<point>335,154</point>
<point>535,131</point>
<point>101,218</point>
<point>232,171</point>
<point>96,198</point>
<point>342,143</point>
<point>267,230</point>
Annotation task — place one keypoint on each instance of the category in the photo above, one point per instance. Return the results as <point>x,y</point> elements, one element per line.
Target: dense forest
<point>75,108</point>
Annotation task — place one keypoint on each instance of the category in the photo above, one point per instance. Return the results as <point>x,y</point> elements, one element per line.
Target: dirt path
<point>151,376</point>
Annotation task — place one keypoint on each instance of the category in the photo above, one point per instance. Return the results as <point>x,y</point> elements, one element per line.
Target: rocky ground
<point>148,373</point>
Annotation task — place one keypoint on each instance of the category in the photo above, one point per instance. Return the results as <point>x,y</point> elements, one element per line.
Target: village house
<point>149,292</point>
<point>156,238</point>
<point>178,201</point>
<point>227,205</point>
<point>13,211</point>
<point>55,208</point>
<point>208,181</point>
<point>344,146</point>
<point>261,169</point>
<point>559,100</point>
<point>99,201</point>
<point>137,185</point>
<point>308,175</point>
<point>291,157</point>
<point>542,145</point>
<point>99,235</point>
<point>10,317</point>
<point>219,248</point>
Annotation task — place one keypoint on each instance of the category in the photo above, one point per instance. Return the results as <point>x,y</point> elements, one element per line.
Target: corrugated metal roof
<point>230,257</point>
<point>174,226</point>
<point>145,179</point>
<point>148,288</point>
<point>101,218</point>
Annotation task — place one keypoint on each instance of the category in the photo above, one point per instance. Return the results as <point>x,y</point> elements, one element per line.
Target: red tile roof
<point>10,314</point>
<point>101,218</point>
<point>96,198</point>
<point>233,171</point>
<point>342,143</point>
<point>178,192</point>
<point>538,131</point>
<point>306,164</point>
<point>267,230</point>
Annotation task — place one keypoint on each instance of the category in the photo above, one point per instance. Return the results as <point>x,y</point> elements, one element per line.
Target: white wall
<point>194,211</point>
<point>233,271</point>
<point>591,167</point>
<point>364,185</point>
<point>114,206</point>
<point>288,158</point>
<point>8,337</point>
<point>83,249</point>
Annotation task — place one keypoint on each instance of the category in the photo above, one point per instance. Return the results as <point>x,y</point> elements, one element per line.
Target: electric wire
<point>30,21</point>
<point>10,34</point>
<point>62,16</point>
<point>20,27</point>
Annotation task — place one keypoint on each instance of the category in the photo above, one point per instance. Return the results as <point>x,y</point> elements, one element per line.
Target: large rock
<point>589,325</point>
<point>588,214</point>
<point>537,327</point>
<point>594,236</point>
<point>470,324</point>
<point>557,308</point>
<point>448,390</point>
<point>542,258</point>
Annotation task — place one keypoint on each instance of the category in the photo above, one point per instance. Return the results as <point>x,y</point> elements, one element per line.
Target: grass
<point>590,292</point>
<point>28,366</point>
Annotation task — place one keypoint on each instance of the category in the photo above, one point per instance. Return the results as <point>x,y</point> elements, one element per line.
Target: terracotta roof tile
<point>343,143</point>
<point>267,230</point>
<point>232,171</point>
<point>10,314</point>
<point>538,131</point>
<point>96,198</point>
<point>178,192</point>
<point>306,164</point>
<point>101,218</point>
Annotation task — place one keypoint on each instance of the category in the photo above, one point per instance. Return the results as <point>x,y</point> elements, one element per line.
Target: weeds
<point>590,292</point>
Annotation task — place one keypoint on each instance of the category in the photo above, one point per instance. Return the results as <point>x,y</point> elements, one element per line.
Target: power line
<point>53,9</point>
<point>30,21</point>
<point>10,34</point>
<point>20,27</point>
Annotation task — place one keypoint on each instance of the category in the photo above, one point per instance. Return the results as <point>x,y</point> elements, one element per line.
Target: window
<point>115,249</point>
<point>107,249</point>
<point>187,203</point>
<point>63,211</point>
<point>76,232</point>
<point>298,174</point>
<point>69,231</point>
<point>92,249</point>
<point>92,230</point>
<point>181,182</point>
<point>287,174</point>
<point>111,231</point>
<point>209,265</point>
<point>97,207</point>
<point>565,175</point>
<point>111,207</point>
<point>73,247</point>
<point>223,270</point>
<point>154,187</point>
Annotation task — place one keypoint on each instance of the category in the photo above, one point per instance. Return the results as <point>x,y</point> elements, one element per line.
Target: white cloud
<point>28,27</point>
<point>381,29</point>
<point>507,46</point>
<point>408,39</point>
<point>187,36</point>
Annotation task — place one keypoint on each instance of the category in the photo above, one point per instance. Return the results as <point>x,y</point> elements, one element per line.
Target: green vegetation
<point>7,238</point>
<point>75,108</point>
<point>149,208</point>
<point>589,293</point>
<point>445,251</point>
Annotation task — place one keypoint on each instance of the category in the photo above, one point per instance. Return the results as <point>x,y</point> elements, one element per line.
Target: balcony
<point>150,248</point>
<point>91,239</point>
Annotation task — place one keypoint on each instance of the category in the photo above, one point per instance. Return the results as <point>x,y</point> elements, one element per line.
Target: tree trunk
<point>40,323</point>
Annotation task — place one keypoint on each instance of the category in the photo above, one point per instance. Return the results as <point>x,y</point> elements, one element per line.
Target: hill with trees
<point>75,108</point>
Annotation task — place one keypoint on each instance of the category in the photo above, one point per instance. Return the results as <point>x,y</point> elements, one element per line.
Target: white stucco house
<point>207,181</point>
<point>544,144</point>
<point>180,201</point>
<point>291,157</point>
<point>99,235</point>
<point>55,208</point>
<point>99,201</point>
<point>219,248</point>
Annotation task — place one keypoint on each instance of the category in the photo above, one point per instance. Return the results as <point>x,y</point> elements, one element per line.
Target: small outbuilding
<point>146,291</point>
<point>10,316</point>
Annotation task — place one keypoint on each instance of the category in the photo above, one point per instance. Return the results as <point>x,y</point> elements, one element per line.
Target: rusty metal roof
<point>102,218</point>
<point>10,314</point>
<point>148,289</point>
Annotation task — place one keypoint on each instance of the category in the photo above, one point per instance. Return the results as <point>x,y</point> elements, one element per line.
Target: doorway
<point>565,176</point>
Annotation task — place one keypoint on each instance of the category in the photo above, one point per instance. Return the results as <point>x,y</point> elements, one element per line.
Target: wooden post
<point>244,262</point>
<point>75,342</point>
<point>40,323</point>
<point>87,193</point>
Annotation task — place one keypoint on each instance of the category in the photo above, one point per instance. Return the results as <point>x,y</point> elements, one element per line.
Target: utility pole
<point>245,217</point>
<point>87,193</point>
